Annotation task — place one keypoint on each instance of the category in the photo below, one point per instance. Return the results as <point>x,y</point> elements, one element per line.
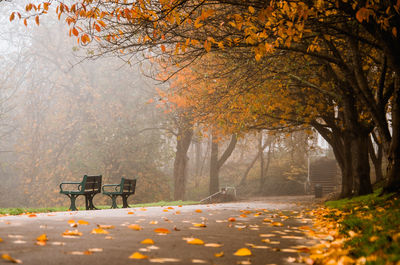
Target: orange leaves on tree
<point>37,20</point>
<point>12,16</point>
<point>75,32</point>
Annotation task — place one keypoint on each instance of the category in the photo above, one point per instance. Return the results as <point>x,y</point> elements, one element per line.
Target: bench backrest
<point>128,185</point>
<point>91,183</point>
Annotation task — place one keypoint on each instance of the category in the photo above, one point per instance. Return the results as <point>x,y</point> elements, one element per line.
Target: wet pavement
<point>271,228</point>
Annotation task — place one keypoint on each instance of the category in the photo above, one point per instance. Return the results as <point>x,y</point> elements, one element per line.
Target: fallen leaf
<point>82,222</point>
<point>213,245</point>
<point>199,225</point>
<point>243,252</point>
<point>9,258</point>
<point>198,211</point>
<point>164,260</point>
<point>1,240</point>
<point>130,212</point>
<point>243,215</point>
<point>198,261</point>
<point>153,222</point>
<point>71,233</point>
<point>143,209</point>
<point>170,208</point>
<point>165,210</point>
<point>95,249</point>
<point>289,250</point>
<point>267,235</point>
<point>267,220</point>
<point>178,212</point>
<point>219,254</point>
<point>162,231</point>
<point>195,241</point>
<point>291,259</point>
<point>138,255</point>
<point>99,231</point>
<point>147,241</point>
<point>32,215</point>
<point>71,221</point>
<point>42,237</point>
<point>135,227</point>
<point>106,226</point>
<point>277,224</point>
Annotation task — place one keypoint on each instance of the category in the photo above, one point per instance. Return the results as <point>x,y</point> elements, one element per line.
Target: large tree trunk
<point>216,164</point>
<point>346,168</point>
<point>376,157</point>
<point>393,156</point>
<point>361,169</point>
<point>184,138</point>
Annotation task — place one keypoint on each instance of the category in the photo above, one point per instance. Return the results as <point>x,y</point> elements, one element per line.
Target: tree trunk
<point>216,164</point>
<point>184,138</point>
<point>393,169</point>
<point>361,169</point>
<point>376,157</point>
<point>346,169</point>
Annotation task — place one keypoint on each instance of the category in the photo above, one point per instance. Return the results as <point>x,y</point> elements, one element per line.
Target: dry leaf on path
<point>198,211</point>
<point>164,260</point>
<point>199,225</point>
<point>213,245</point>
<point>135,227</point>
<point>198,261</point>
<point>106,226</point>
<point>99,231</point>
<point>195,241</point>
<point>243,252</point>
<point>161,231</point>
<point>82,222</point>
<point>219,254</point>
<point>71,221</point>
<point>130,212</point>
<point>32,215</point>
<point>73,233</point>
<point>147,241</point>
<point>138,255</point>
<point>9,258</point>
<point>231,219</point>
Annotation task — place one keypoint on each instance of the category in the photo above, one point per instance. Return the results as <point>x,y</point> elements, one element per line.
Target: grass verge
<point>17,211</point>
<point>371,226</point>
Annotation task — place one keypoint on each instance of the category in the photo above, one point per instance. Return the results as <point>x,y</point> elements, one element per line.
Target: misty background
<point>63,116</point>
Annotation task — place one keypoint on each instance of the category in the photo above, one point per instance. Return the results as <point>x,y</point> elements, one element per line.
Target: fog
<point>64,116</point>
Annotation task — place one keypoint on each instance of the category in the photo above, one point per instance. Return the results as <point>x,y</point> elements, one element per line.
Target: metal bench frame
<point>89,187</point>
<point>124,189</point>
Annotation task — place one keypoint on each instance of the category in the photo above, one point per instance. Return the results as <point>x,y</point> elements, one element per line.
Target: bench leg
<point>114,201</point>
<point>89,202</point>
<point>72,197</point>
<point>125,201</point>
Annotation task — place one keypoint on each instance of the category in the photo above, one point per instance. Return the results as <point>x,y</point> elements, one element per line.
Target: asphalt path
<point>271,228</point>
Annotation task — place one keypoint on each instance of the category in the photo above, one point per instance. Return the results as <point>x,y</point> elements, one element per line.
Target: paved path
<point>250,227</point>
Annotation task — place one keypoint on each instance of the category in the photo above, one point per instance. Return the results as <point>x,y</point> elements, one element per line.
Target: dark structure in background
<point>325,175</point>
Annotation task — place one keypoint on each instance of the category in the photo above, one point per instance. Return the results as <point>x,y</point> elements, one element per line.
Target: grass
<point>17,211</point>
<point>375,221</point>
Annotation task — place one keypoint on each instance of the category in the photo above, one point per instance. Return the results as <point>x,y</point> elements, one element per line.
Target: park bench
<point>123,189</point>
<point>89,187</point>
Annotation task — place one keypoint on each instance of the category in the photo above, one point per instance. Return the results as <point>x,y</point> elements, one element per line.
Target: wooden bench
<point>124,189</point>
<point>89,187</point>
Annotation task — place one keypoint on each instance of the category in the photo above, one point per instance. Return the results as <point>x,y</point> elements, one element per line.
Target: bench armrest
<point>116,186</point>
<point>70,183</point>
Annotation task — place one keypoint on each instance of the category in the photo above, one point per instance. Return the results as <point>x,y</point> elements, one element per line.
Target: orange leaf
<point>25,22</point>
<point>198,211</point>
<point>71,221</point>
<point>130,212</point>
<point>219,254</point>
<point>243,252</point>
<point>135,227</point>
<point>37,20</point>
<point>72,233</point>
<point>75,31</point>
<point>82,222</point>
<point>12,16</point>
<point>195,241</point>
<point>106,226</point>
<point>199,225</point>
<point>9,258</point>
<point>42,237</point>
<point>162,231</point>
<point>147,241</point>
<point>32,215</point>
<point>138,255</point>
<point>232,219</point>
<point>99,231</point>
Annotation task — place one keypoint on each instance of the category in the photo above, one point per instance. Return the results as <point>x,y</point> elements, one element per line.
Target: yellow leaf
<point>1,240</point>
<point>99,231</point>
<point>243,252</point>
<point>195,241</point>
<point>213,245</point>
<point>251,9</point>
<point>71,221</point>
<point>199,225</point>
<point>106,226</point>
<point>162,231</point>
<point>219,254</point>
<point>82,222</point>
<point>72,233</point>
<point>42,237</point>
<point>135,227</point>
<point>138,255</point>
<point>9,258</point>
<point>276,224</point>
<point>147,241</point>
